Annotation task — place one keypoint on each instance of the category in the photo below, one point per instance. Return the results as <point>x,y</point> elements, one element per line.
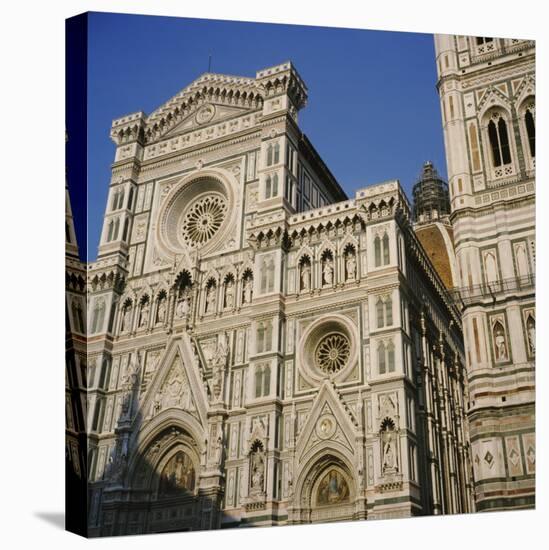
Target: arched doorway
<point>328,492</point>
<point>168,473</point>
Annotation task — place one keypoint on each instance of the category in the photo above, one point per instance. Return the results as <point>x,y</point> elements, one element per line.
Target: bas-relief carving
<point>514,459</point>
<point>529,446</point>
<point>231,488</point>
<point>108,415</point>
<point>289,380</point>
<point>370,466</point>
<point>237,396</point>
<point>234,441</point>
<point>174,392</point>
<point>290,335</point>
<point>139,228</point>
<point>239,352</point>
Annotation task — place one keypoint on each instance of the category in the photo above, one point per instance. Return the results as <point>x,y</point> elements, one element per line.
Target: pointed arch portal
<point>328,492</point>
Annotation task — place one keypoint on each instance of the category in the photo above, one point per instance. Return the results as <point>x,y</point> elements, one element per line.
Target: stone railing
<point>469,295</point>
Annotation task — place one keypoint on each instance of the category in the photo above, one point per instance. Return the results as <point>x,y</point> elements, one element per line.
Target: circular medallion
<point>325,426</point>
<point>203,218</point>
<point>205,114</point>
<point>332,353</point>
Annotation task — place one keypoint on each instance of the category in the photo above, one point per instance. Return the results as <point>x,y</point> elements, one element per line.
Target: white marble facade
<point>263,349</point>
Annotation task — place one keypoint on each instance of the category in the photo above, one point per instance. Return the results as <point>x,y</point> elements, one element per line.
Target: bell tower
<point>487,96</point>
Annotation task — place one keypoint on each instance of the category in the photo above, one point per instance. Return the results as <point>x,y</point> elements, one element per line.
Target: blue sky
<point>373,111</point>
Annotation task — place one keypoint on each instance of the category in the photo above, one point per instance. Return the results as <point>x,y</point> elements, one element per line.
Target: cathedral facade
<point>262,349</point>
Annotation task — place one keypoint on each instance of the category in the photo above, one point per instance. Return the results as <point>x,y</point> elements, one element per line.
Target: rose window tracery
<point>332,353</point>
<point>203,219</point>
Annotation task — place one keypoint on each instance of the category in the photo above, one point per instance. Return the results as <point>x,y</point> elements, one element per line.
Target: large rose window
<point>196,214</point>
<point>332,353</point>
<point>203,218</point>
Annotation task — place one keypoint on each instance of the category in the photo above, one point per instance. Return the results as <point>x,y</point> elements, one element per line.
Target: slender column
<point>431,452</point>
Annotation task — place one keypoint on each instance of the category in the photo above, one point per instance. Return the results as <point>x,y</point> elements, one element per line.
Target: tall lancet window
<point>275,185</point>
<point>386,249</point>
<point>530,124</point>
<point>381,363</point>
<point>499,141</point>
<point>377,251</point>
<point>379,313</point>
<point>277,153</point>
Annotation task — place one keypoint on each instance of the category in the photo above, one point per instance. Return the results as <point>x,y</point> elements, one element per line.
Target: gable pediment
<point>329,421</point>
<point>209,99</point>
<point>204,115</point>
<point>176,384</point>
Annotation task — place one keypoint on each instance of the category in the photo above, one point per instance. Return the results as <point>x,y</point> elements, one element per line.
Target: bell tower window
<point>530,124</point>
<point>499,141</point>
<point>485,44</point>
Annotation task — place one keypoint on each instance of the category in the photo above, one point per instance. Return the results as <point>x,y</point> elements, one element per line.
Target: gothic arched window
<point>499,141</point>
<point>530,124</point>
<point>98,315</point>
<point>78,317</point>
<point>377,251</point>
<point>260,337</point>
<point>276,153</point>
<point>116,228</point>
<point>269,155</point>
<point>389,311</point>
<point>268,187</point>
<point>485,44</point>
<point>379,313</point>
<point>258,381</point>
<point>267,275</point>
<point>263,286</point>
<point>266,380</point>
<point>275,185</point>
<point>262,380</point>
<point>121,199</point>
<point>268,336</point>
<point>125,233</point>
<point>109,233</point>
<point>391,357</point>
<point>385,249</point>
<point>381,365</point>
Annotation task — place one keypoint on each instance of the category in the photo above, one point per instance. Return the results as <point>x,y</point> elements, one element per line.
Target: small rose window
<point>332,353</point>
